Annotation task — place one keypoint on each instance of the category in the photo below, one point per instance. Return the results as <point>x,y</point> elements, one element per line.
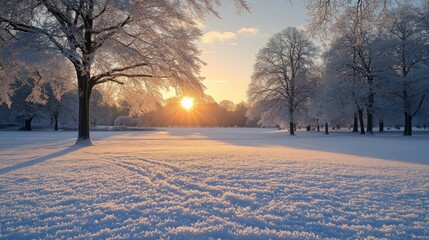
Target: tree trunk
<point>369,123</point>
<point>27,124</point>
<point>317,122</point>
<point>381,125</point>
<point>326,128</point>
<point>370,109</point>
<point>84,94</point>
<point>291,128</point>
<point>56,121</point>
<point>355,123</point>
<point>408,124</point>
<point>362,124</point>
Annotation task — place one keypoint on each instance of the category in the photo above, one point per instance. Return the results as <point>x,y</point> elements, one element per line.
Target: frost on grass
<point>202,183</point>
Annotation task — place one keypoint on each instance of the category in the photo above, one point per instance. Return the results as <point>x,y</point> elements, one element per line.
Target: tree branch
<point>109,80</point>
<point>111,28</point>
<point>69,54</point>
<point>117,72</point>
<point>420,105</point>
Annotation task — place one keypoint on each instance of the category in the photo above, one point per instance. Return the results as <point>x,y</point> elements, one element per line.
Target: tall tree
<point>149,43</point>
<point>281,82</point>
<point>355,27</point>
<point>406,45</point>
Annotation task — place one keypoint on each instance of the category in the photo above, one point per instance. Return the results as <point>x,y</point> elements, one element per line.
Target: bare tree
<point>406,45</point>
<point>281,82</point>
<point>343,82</point>
<point>149,43</point>
<point>324,14</point>
<point>355,55</point>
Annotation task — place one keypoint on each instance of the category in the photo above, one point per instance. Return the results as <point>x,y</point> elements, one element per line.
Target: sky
<point>230,44</point>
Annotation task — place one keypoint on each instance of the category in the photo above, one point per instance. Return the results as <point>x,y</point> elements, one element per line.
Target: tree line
<point>54,105</point>
<point>205,113</point>
<point>374,68</point>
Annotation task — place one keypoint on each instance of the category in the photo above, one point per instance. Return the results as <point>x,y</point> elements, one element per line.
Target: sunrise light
<point>187,103</point>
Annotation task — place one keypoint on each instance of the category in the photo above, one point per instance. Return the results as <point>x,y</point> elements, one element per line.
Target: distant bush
<point>127,121</point>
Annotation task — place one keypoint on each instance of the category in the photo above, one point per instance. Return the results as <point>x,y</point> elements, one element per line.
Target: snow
<point>201,183</point>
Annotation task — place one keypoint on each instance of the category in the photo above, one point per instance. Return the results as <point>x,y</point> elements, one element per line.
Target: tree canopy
<point>145,45</point>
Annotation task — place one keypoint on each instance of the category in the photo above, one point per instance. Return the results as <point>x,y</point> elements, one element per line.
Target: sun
<point>187,103</point>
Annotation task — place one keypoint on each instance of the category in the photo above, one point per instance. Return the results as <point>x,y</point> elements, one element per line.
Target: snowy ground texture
<point>214,183</point>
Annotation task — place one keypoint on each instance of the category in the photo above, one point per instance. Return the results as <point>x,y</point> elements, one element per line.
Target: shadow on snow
<point>38,160</point>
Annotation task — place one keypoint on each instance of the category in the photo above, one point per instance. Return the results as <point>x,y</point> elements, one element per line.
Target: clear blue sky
<point>230,44</point>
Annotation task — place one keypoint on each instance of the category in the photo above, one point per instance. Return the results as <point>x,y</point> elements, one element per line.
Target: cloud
<point>250,31</point>
<point>215,36</point>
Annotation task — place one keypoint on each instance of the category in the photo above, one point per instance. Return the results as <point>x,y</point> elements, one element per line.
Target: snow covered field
<point>214,183</point>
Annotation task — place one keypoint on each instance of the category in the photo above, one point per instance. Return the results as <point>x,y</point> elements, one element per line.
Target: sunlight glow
<point>187,103</point>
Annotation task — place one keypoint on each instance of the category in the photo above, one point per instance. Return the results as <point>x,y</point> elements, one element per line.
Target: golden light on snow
<point>187,103</point>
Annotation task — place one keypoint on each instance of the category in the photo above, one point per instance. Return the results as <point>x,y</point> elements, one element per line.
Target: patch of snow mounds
<point>210,184</point>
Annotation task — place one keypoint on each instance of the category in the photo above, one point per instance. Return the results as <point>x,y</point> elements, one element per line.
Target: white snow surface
<point>199,183</point>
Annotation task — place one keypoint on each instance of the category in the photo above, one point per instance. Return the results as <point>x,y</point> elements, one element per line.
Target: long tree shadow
<point>387,145</point>
<point>40,159</point>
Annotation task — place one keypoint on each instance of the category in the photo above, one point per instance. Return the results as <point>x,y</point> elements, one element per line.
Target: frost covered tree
<point>374,44</point>
<point>27,100</point>
<point>146,45</point>
<point>23,84</point>
<point>34,97</point>
<point>351,58</point>
<point>55,106</point>
<point>5,82</point>
<point>354,26</point>
<point>5,90</point>
<point>325,14</point>
<point>282,82</point>
<point>9,70</point>
<point>68,110</point>
<point>424,17</point>
<point>335,100</point>
<point>406,48</point>
<point>34,77</point>
<point>57,84</point>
